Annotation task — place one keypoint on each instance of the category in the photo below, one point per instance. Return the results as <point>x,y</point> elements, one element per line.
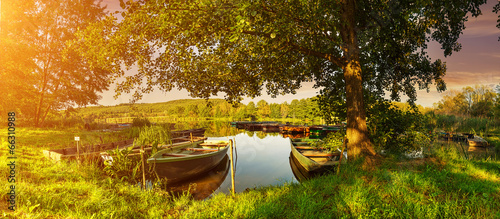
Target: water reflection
<point>213,128</point>
<point>204,185</point>
<point>261,159</point>
<point>295,136</point>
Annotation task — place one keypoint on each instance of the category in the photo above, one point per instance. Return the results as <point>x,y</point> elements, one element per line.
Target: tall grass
<point>479,126</point>
<point>442,185</point>
<point>65,189</point>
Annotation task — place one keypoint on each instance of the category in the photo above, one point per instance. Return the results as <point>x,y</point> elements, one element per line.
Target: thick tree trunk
<point>38,112</point>
<point>359,144</point>
<point>357,132</point>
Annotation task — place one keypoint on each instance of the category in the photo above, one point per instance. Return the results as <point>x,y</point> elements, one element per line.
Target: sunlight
<point>1,15</point>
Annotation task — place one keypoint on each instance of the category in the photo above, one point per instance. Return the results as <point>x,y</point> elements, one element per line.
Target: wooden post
<point>143,173</point>
<point>78,152</point>
<point>77,139</point>
<point>342,154</point>
<point>232,164</point>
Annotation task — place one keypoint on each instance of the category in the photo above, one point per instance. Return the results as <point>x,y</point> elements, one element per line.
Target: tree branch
<point>306,51</point>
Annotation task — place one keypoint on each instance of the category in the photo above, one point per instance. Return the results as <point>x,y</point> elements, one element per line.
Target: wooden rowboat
<point>187,160</point>
<point>205,184</point>
<point>314,158</point>
<point>85,151</point>
<point>298,171</point>
<point>135,151</point>
<point>477,141</point>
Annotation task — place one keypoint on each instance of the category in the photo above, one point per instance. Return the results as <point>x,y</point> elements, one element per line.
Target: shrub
<point>394,130</point>
<point>140,122</point>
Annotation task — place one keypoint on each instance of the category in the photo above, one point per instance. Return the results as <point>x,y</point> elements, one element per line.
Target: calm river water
<point>261,159</point>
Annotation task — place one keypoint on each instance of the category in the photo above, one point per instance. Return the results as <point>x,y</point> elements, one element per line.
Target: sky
<point>478,63</point>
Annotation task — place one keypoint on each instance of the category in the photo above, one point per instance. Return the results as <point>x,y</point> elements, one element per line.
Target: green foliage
<point>124,167</point>
<point>41,71</point>
<point>479,101</point>
<point>133,132</point>
<point>239,47</point>
<point>285,110</point>
<point>252,46</point>
<point>263,109</point>
<point>251,109</point>
<point>395,130</point>
<point>334,141</point>
<point>140,122</point>
<point>452,123</point>
<point>191,110</point>
<point>275,110</point>
<point>154,135</point>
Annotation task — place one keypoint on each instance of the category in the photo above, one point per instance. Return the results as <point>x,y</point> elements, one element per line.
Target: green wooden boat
<point>135,151</point>
<point>298,171</point>
<point>188,160</point>
<point>316,130</point>
<point>313,158</point>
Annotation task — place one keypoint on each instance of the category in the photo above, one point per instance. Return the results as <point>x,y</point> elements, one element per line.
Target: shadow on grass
<point>428,188</point>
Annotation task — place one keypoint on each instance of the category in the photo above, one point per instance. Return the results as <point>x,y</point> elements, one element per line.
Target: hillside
<point>151,109</point>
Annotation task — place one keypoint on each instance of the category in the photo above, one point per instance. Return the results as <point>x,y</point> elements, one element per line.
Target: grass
<point>442,185</point>
<point>66,189</point>
<point>38,139</point>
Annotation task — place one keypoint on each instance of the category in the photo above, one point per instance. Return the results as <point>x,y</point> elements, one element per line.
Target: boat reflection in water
<point>205,184</point>
<point>295,135</point>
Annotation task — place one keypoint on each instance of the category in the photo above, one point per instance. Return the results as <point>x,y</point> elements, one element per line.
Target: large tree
<point>239,47</point>
<point>38,71</point>
<point>263,109</point>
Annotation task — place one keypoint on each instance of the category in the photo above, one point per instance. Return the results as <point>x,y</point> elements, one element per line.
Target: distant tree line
<point>303,109</point>
<point>216,108</point>
<point>479,101</point>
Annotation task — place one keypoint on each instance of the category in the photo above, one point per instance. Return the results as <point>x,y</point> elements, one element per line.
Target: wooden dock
<point>85,151</point>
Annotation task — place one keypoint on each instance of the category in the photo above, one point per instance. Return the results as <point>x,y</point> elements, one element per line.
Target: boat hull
<point>312,165</point>
<point>87,152</point>
<point>206,183</point>
<point>308,164</point>
<point>177,169</point>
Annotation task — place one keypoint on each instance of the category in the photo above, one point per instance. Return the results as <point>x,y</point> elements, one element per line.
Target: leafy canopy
<point>39,72</point>
<point>240,47</point>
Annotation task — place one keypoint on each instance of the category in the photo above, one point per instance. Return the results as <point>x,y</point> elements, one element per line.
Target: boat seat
<point>321,154</point>
<point>200,149</point>
<point>174,155</point>
<point>213,145</point>
<point>318,155</point>
<point>307,148</point>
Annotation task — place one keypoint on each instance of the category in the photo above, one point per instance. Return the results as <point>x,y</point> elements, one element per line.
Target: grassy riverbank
<point>444,184</point>
<point>441,185</point>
